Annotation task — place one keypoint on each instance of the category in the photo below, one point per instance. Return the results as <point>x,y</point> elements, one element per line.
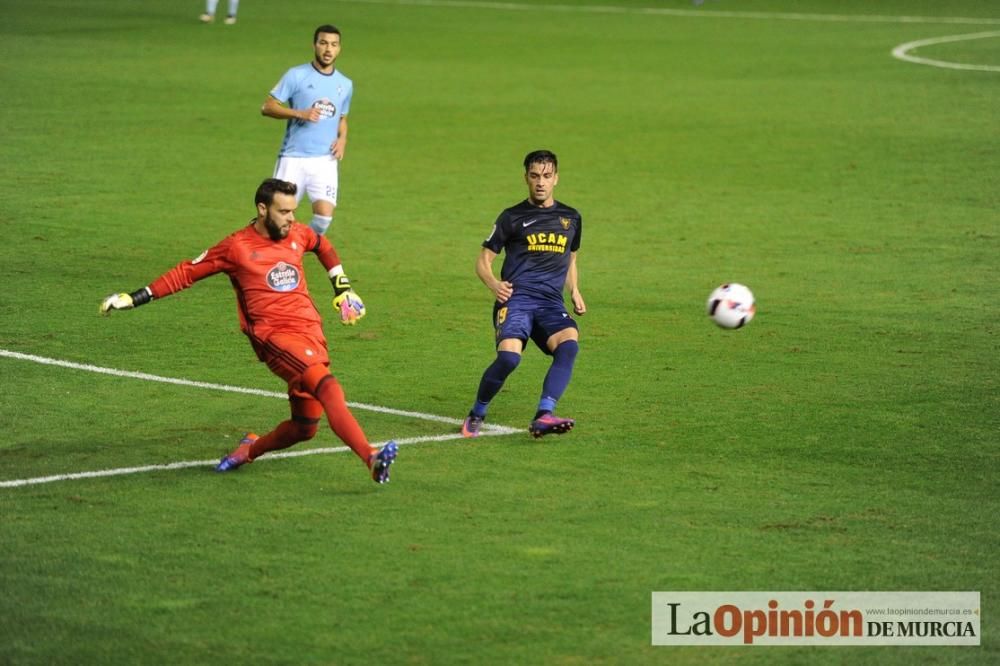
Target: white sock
<point>210,7</point>
<point>320,223</point>
<point>233,6</point>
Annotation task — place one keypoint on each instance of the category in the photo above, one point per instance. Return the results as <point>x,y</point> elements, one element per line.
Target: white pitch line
<point>505,430</point>
<point>122,471</point>
<point>687,13</point>
<point>902,52</point>
<point>488,429</point>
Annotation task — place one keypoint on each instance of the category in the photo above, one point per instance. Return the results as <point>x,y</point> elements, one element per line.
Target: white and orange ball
<point>731,305</point>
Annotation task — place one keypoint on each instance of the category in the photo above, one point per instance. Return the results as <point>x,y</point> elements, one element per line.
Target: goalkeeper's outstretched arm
<point>123,301</point>
<point>183,275</point>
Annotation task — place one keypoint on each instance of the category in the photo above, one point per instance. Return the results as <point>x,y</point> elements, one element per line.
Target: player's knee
<point>507,361</point>
<point>567,350</point>
<point>314,375</point>
<point>305,431</point>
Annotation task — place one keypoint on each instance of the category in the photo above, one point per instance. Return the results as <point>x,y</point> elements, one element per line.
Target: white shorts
<point>316,176</point>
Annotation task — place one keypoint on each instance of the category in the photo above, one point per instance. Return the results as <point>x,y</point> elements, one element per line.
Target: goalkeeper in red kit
<point>264,262</point>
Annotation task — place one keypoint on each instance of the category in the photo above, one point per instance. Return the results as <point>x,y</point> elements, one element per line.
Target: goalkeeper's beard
<point>274,230</point>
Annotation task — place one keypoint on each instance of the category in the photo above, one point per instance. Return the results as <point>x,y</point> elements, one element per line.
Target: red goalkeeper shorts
<point>288,355</point>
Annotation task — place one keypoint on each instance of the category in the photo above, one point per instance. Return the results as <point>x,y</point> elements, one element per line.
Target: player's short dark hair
<point>541,157</point>
<point>328,29</point>
<point>270,187</point>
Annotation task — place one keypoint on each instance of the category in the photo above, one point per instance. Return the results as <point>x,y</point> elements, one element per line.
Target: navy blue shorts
<point>522,319</point>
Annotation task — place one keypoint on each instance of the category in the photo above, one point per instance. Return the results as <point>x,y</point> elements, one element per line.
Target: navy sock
<point>493,380</point>
<point>558,376</point>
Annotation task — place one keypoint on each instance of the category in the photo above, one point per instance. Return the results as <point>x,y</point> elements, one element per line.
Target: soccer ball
<point>731,305</point>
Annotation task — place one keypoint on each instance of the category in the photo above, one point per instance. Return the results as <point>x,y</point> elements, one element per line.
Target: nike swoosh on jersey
<point>529,223</point>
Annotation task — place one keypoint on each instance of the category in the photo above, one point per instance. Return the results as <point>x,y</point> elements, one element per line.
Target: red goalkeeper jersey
<point>267,275</point>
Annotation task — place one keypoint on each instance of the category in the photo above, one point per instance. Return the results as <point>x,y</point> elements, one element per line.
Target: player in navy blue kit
<point>540,237</point>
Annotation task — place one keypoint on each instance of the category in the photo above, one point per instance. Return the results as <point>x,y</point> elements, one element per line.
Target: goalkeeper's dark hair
<point>270,187</point>
<point>328,29</point>
<point>541,157</point>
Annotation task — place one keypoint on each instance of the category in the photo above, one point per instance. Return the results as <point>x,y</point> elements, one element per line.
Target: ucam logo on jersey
<point>816,618</point>
<point>545,241</point>
<point>283,277</point>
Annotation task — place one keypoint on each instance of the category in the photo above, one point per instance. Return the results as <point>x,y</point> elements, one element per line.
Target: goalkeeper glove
<point>125,301</point>
<point>346,302</point>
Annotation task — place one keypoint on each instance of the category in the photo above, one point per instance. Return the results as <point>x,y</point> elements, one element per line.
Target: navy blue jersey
<point>538,242</point>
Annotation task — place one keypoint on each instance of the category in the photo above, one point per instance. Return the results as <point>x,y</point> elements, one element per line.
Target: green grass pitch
<point>847,439</point>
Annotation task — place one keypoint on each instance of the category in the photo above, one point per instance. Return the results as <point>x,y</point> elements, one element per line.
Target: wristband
<point>341,283</point>
<point>141,297</point>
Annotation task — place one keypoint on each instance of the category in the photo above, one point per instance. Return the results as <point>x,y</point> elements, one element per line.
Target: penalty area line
<point>498,429</point>
<point>183,464</point>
